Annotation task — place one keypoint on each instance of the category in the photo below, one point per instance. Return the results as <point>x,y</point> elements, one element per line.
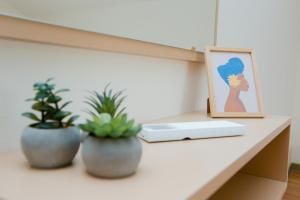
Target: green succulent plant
<point>104,125</point>
<point>108,118</point>
<point>106,102</point>
<point>47,102</point>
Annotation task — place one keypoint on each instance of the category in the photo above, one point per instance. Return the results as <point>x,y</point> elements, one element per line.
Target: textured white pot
<point>50,148</point>
<point>111,158</point>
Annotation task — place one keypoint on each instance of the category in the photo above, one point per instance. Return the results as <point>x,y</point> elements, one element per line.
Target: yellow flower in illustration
<point>233,80</point>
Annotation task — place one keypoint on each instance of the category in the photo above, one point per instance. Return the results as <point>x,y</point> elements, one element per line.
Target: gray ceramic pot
<point>111,158</point>
<point>50,148</point>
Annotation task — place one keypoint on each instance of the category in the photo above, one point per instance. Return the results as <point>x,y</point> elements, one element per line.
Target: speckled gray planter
<point>111,158</point>
<point>50,148</point>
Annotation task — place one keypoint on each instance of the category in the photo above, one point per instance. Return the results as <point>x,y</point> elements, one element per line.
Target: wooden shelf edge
<point>27,30</point>
<point>249,187</point>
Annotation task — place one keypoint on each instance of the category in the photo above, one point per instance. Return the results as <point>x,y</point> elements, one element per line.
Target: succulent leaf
<point>104,125</point>
<point>106,102</point>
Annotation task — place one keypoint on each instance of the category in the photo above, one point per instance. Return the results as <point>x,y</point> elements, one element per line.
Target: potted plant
<point>52,140</point>
<point>111,148</point>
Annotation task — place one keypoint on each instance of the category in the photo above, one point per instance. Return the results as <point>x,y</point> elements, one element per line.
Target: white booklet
<point>190,130</point>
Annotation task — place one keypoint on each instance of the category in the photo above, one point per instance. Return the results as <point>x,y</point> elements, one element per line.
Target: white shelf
<point>32,31</point>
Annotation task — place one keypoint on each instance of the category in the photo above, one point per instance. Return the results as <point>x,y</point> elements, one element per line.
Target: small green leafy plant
<point>108,119</point>
<point>47,102</point>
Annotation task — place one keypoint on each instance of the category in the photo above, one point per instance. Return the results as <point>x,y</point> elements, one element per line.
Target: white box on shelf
<point>190,130</point>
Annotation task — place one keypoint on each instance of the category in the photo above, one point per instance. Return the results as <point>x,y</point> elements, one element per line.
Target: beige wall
<point>296,118</point>
<point>6,8</point>
<point>271,27</point>
<point>296,107</point>
<point>155,87</point>
<point>179,25</point>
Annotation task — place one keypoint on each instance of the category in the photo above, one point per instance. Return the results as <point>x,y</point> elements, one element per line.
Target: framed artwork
<point>233,84</point>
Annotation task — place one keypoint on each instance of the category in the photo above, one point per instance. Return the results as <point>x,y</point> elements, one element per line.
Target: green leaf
<point>50,86</point>
<point>31,116</point>
<point>105,118</point>
<point>86,127</point>
<point>62,90</point>
<point>119,102</point>
<point>115,134</point>
<point>116,95</point>
<point>93,105</point>
<point>38,85</point>
<point>120,112</point>
<point>65,104</point>
<point>103,130</point>
<point>91,113</point>
<point>133,131</point>
<point>42,87</point>
<point>41,95</point>
<point>109,93</point>
<point>130,124</point>
<point>49,79</point>
<point>61,115</point>
<point>54,99</point>
<point>50,115</point>
<point>41,106</point>
<point>99,97</point>
<point>71,120</point>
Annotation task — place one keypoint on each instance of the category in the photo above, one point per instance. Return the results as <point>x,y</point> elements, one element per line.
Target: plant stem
<point>43,113</point>
<point>57,109</point>
<point>59,121</point>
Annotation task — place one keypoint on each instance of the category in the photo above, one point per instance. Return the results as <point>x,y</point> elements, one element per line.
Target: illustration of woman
<point>232,74</point>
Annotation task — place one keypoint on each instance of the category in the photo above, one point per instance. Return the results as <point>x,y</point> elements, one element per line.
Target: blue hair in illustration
<point>234,66</point>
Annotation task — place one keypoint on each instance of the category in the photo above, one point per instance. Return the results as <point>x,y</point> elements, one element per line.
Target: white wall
<point>296,108</point>
<point>155,87</point>
<point>6,8</point>
<point>171,22</point>
<point>271,27</point>
<point>296,118</point>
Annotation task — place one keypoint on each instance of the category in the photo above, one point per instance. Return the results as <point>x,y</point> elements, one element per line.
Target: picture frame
<point>233,83</point>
